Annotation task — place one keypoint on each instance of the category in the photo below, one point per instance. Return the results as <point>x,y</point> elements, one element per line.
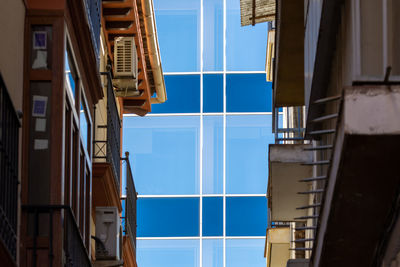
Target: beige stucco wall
<point>12,19</point>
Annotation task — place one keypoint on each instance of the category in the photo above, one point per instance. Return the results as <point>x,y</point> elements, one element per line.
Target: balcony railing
<point>93,12</point>
<point>74,248</point>
<point>289,126</point>
<point>129,219</point>
<point>9,132</point>
<point>109,149</point>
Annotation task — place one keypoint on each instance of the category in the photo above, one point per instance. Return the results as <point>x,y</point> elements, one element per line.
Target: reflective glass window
<point>168,217</point>
<point>212,216</point>
<point>213,95</point>
<point>84,126</point>
<point>183,95</point>
<point>168,253</point>
<point>248,93</point>
<point>245,252</point>
<point>213,154</point>
<point>164,153</point>
<point>247,139</point>
<point>245,46</point>
<point>213,12</point>
<point>213,253</point>
<point>70,74</point>
<point>178,29</point>
<point>246,216</point>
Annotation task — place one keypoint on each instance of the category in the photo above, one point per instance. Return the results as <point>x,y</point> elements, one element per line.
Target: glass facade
<point>200,160</point>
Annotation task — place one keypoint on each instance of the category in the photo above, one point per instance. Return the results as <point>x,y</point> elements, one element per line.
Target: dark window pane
<point>213,95</point>
<point>183,95</point>
<point>213,35</point>
<point>248,93</point>
<point>178,28</point>
<point>168,217</point>
<point>246,216</point>
<point>212,216</point>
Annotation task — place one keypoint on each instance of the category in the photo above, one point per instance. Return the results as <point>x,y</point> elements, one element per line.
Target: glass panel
<point>245,252</point>
<point>168,253</point>
<point>183,95</point>
<point>213,154</point>
<point>212,216</point>
<point>165,153</point>
<point>248,93</point>
<point>168,217</point>
<point>213,35</point>
<point>213,253</point>
<point>83,122</point>
<point>245,46</point>
<point>213,95</point>
<point>246,216</point>
<point>178,28</point>
<point>70,74</point>
<point>247,140</point>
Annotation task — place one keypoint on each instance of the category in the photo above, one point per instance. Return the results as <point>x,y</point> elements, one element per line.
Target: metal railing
<point>289,126</point>
<point>93,12</point>
<point>129,219</point>
<point>109,149</point>
<point>74,249</point>
<point>9,138</point>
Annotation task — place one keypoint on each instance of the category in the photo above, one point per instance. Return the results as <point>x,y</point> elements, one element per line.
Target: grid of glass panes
<point>200,159</point>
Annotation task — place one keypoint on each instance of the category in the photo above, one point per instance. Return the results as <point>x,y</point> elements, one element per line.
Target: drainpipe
<point>154,52</point>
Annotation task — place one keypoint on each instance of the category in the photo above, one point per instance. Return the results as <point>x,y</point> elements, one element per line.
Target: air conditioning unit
<point>108,234</point>
<point>125,66</point>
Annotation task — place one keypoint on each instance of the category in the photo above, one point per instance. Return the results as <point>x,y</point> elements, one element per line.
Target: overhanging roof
<point>289,75</point>
<point>256,11</point>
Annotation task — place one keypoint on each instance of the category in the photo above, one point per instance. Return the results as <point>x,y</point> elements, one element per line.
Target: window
<point>245,252</point>
<point>213,254</point>
<point>246,216</point>
<point>166,217</point>
<point>169,253</point>
<point>213,154</point>
<point>84,126</point>
<point>71,76</point>
<point>178,27</point>
<point>212,216</point>
<point>245,46</point>
<point>213,94</point>
<point>247,139</point>
<point>248,93</point>
<point>166,152</point>
<point>183,95</point>
<point>213,12</point>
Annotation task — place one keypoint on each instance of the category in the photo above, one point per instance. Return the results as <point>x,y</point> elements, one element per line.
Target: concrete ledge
<point>285,171</point>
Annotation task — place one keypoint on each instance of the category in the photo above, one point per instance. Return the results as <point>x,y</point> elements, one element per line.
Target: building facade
<point>59,172</point>
<point>334,195</point>
<point>200,159</point>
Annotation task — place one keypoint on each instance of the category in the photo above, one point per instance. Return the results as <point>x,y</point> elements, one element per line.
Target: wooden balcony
<point>122,18</point>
